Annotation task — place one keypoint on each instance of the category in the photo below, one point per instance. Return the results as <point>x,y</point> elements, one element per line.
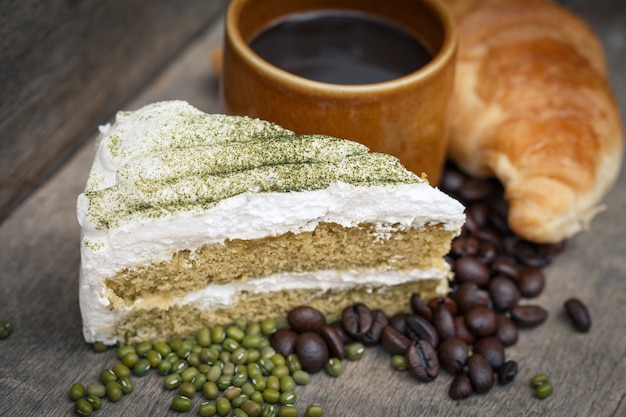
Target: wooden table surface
<point>39,259</point>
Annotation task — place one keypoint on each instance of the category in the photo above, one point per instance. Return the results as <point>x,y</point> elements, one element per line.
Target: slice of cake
<point>191,219</point>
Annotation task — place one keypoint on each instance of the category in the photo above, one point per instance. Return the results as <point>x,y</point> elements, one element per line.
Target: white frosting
<point>249,215</point>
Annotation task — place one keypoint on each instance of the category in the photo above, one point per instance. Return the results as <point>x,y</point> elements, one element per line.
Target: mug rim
<point>439,60</point>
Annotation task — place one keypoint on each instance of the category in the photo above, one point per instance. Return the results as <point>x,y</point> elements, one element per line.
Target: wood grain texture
<point>39,259</point>
<point>67,65</point>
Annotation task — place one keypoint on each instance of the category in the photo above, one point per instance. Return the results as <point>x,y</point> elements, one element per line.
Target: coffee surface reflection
<point>340,48</point>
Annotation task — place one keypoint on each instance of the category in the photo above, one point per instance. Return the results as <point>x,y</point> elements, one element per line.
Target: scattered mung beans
<point>314,410</point>
<point>83,407</point>
<point>181,403</point>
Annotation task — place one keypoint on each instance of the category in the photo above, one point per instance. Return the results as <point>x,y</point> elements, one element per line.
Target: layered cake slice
<point>192,219</point>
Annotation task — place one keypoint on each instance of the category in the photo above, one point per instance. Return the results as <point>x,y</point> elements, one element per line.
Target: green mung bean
<point>266,365</point>
<point>172,381</point>
<point>130,359</point>
<point>224,381</point>
<point>287,383</point>
<point>257,397</point>
<point>164,368</point>
<point>143,348</point>
<point>253,355</point>
<point>123,350</point>
<point>99,347</point>
<point>278,359</point>
<point>223,406</point>
<point>269,410</point>
<point>280,371</point>
<point>154,358</point>
<point>181,403</point>
<point>172,357</point>
<point>288,410</point>
<point>544,390</point>
<point>187,389</point>
<point>247,388</point>
<point>314,410</point>
<point>293,362</point>
<point>229,344</point>
<point>107,375</point>
<point>215,373</point>
<point>252,408</point>
<point>273,382</point>
<point>355,351</point>
<point>121,370</point>
<point>224,356</point>
<point>188,374</point>
<point>239,379</point>
<point>231,392</point>
<point>203,336</point>
<point>218,334</point>
<point>204,368</point>
<point>241,323</point>
<point>194,359</point>
<point>271,395</point>
<point>210,390</point>
<point>253,329</point>
<point>207,409</point>
<point>163,348</point>
<point>239,400</point>
<point>238,412</point>
<point>114,391</point>
<point>269,326</point>
<point>235,333</point>
<point>97,390</point>
<point>95,401</point>
<point>539,379</point>
<point>287,397</point>
<point>142,367</point>
<point>179,366</point>
<point>228,369</point>
<point>301,377</point>
<point>126,384</point>
<point>267,351</point>
<point>77,391</point>
<point>209,355</point>
<point>198,381</point>
<point>399,362</point>
<point>254,369</point>
<point>184,349</point>
<point>82,407</point>
<point>239,355</point>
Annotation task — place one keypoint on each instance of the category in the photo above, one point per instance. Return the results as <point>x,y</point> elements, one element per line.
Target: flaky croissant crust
<point>532,105</point>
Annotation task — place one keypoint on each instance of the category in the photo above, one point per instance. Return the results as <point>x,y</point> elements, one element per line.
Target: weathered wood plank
<point>67,65</point>
<point>39,261</point>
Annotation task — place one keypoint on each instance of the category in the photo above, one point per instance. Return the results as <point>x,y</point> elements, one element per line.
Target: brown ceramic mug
<point>406,117</point>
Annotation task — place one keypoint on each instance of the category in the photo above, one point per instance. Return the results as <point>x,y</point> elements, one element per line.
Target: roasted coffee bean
<point>470,269</point>
<point>533,254</point>
<point>284,341</point>
<point>446,302</point>
<point>507,372</point>
<point>357,320</point>
<point>395,342</point>
<point>530,282</point>
<point>490,235</point>
<point>504,265</point>
<point>465,246</point>
<point>578,314</point>
<point>506,330</point>
<point>528,315</point>
<point>443,321</point>
<point>341,331</point>
<point>461,387</point>
<point>312,351</point>
<point>398,322</point>
<point>453,354</point>
<point>476,189</point>
<point>491,349</point>
<point>504,293</point>
<point>480,373</point>
<point>379,322</point>
<point>488,253</point>
<point>422,361</point>
<point>305,319</point>
<point>420,307</point>
<point>479,213</point>
<point>334,342</point>
<point>461,331</point>
<point>452,180</point>
<point>418,328</point>
<point>468,296</point>
<point>481,321</point>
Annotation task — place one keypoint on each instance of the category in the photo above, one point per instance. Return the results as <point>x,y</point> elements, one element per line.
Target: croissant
<point>532,106</point>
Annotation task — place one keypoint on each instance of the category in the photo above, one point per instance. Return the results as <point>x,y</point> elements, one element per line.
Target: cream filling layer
<point>99,321</point>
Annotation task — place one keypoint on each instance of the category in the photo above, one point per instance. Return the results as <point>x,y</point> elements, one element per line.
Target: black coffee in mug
<point>340,48</point>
